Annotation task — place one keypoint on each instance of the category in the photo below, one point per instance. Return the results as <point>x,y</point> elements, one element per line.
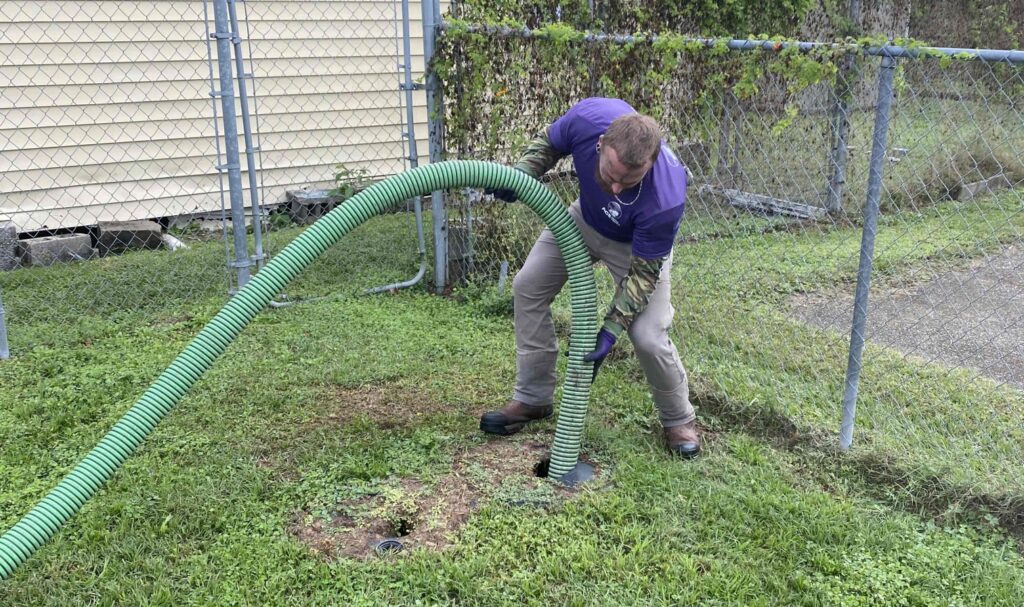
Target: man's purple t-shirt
<point>651,222</point>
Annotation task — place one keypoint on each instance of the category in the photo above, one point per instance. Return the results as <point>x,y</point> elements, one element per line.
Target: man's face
<point>612,175</point>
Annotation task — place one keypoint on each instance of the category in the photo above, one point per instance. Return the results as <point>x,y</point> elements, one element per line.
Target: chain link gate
<point>340,111</point>
<point>105,136</point>
<point>120,119</point>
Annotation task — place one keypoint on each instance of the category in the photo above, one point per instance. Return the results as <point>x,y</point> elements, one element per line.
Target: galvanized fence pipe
<point>232,165</point>
<point>432,24</point>
<point>250,147</point>
<point>743,44</point>
<point>5,350</point>
<point>215,115</point>
<point>879,143</point>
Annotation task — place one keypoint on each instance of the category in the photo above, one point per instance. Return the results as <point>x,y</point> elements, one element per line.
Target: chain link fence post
<point>435,112</point>
<point>879,145</point>
<point>259,259</point>
<point>8,261</point>
<point>232,164</point>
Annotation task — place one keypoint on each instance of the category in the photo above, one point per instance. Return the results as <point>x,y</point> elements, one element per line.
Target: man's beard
<point>604,185</point>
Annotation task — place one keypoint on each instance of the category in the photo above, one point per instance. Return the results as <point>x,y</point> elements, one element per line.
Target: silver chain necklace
<point>635,198</point>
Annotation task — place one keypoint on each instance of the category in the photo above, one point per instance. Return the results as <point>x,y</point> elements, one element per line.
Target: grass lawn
<point>334,418</point>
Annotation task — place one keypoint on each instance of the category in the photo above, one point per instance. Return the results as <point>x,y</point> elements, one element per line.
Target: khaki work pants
<point>535,287</point>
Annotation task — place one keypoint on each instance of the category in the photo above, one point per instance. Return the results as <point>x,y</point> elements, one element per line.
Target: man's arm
<point>633,293</point>
<point>540,156</point>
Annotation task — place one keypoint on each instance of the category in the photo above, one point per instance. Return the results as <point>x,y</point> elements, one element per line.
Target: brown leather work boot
<point>513,417</point>
<point>684,440</point>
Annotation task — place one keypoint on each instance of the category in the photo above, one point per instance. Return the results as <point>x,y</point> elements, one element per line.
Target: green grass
<point>197,516</point>
<point>732,298</point>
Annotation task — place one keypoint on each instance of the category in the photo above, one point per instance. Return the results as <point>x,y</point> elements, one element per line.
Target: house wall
<point>106,113</point>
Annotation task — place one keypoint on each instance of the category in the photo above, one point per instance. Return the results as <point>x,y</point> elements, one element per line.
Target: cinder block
<point>10,257</point>
<point>119,236</point>
<point>48,250</point>
<point>210,225</point>
<point>306,206</point>
<point>985,187</point>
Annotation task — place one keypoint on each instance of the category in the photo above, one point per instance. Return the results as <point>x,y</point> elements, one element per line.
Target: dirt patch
<point>971,317</point>
<point>423,516</point>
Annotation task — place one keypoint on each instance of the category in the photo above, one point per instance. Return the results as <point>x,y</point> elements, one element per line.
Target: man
<point>632,194</point>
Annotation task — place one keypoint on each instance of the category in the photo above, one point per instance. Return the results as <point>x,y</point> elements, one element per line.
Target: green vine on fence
<point>664,74</point>
<point>509,68</point>
<point>501,89</point>
<point>495,82</point>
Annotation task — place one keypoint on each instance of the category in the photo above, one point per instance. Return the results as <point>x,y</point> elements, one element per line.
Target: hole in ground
<point>404,527</point>
<point>389,546</point>
<point>541,469</point>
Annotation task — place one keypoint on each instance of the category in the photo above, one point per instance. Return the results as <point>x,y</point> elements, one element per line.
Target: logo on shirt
<point>613,211</point>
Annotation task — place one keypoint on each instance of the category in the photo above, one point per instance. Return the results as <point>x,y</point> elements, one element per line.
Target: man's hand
<point>605,341</point>
<point>504,194</point>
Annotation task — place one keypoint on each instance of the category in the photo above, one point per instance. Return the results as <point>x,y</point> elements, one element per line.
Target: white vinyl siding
<point>106,114</point>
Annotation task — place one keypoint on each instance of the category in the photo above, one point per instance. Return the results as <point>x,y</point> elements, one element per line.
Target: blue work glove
<point>605,341</point>
<point>504,194</point>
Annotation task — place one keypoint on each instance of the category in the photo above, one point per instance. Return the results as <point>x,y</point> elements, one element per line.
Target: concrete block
<point>306,206</point>
<point>970,191</point>
<point>48,250</point>
<point>205,224</point>
<point>10,257</point>
<point>120,236</point>
<point>772,206</point>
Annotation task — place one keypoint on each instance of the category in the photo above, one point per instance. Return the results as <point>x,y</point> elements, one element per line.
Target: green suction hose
<point>40,524</point>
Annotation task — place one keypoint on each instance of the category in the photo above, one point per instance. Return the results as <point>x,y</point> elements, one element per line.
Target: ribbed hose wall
<point>40,524</point>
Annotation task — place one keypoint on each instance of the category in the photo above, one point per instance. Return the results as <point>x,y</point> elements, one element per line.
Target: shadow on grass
<point>880,476</point>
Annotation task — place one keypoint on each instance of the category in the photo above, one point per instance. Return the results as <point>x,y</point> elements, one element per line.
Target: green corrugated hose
<point>39,525</point>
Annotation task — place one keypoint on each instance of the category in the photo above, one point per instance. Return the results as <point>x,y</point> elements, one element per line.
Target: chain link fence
<point>334,118</point>
<point>792,148</point>
<point>114,174</point>
<point>105,119</point>
<point>111,114</point>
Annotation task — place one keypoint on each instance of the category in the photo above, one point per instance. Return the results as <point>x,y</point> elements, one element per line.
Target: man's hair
<point>636,139</point>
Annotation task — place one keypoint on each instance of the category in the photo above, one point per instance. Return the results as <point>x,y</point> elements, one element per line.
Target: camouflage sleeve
<point>633,293</point>
<point>540,156</point>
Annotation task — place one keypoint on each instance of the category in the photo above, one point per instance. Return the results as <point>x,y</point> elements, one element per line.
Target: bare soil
<point>419,514</point>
